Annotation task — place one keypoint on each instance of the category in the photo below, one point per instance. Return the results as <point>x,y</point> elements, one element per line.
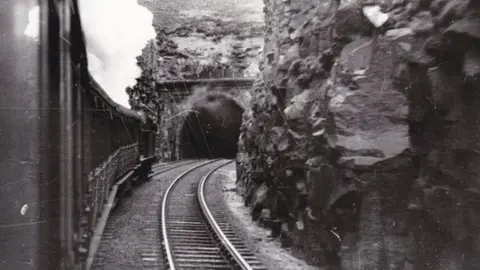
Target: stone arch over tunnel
<point>211,128</point>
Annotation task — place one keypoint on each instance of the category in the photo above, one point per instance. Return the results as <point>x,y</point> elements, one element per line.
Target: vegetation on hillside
<point>161,60</point>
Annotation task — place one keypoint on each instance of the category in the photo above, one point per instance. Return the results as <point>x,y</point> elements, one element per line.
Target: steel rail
<point>110,205</point>
<point>162,166</point>
<point>166,243</point>
<point>213,223</point>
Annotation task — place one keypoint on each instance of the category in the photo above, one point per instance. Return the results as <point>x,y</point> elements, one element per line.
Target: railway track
<point>196,235</point>
<point>162,165</point>
<point>181,211</point>
<point>165,167</point>
<point>119,247</point>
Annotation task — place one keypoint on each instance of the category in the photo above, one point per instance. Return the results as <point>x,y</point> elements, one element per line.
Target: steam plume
<point>116,31</point>
<point>33,29</point>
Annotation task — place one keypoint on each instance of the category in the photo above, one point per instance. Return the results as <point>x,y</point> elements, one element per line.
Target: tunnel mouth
<point>211,129</point>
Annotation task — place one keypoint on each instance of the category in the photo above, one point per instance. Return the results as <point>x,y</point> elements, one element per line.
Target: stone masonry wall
<point>175,109</point>
<point>360,146</point>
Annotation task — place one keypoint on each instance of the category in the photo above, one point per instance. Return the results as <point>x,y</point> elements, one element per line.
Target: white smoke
<point>33,27</point>
<point>115,31</point>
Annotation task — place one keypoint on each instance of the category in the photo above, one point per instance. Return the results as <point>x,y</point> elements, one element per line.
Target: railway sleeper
<point>195,243</point>
<point>206,266</point>
<point>196,250</point>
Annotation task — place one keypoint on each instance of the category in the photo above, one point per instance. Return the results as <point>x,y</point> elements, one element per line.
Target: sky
<point>116,31</point>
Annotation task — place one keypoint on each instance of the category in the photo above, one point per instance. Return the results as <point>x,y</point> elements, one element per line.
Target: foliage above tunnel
<point>163,60</point>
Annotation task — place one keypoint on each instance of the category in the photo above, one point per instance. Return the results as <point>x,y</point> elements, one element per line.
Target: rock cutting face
<point>212,129</point>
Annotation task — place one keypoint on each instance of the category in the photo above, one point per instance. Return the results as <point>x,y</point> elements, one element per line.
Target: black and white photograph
<point>240,134</point>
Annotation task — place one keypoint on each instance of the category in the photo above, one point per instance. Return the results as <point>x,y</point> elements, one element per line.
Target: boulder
<point>370,123</point>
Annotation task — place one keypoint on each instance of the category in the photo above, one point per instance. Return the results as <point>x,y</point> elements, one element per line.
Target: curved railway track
<point>196,234</point>
<point>178,215</point>
<point>145,203</point>
<point>162,168</point>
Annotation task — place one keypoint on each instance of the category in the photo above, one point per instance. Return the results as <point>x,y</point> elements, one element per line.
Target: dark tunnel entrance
<point>211,129</point>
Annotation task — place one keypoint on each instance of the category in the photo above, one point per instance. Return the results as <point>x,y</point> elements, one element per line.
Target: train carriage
<point>65,144</point>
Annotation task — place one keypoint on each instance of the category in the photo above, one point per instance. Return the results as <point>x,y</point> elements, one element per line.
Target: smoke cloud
<point>33,29</point>
<point>116,31</point>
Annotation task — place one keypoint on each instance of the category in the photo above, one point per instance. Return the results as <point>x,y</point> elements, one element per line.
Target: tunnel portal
<point>212,128</point>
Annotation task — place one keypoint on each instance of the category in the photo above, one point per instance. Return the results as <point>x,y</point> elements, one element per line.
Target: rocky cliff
<point>360,148</point>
